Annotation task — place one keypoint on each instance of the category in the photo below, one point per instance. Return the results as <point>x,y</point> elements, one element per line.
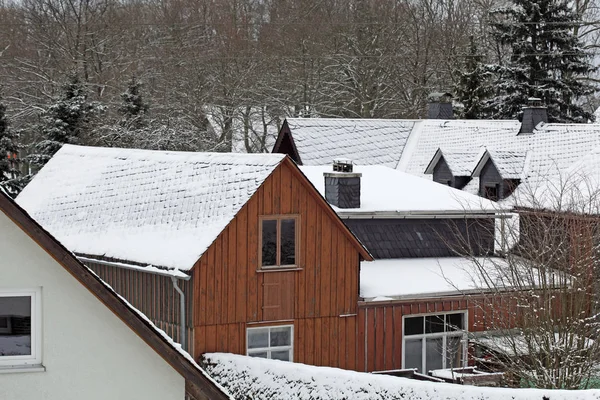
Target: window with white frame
<point>434,341</point>
<point>274,342</point>
<point>20,327</point>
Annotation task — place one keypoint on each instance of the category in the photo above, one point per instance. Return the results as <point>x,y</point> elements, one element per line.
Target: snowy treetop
<point>153,207</point>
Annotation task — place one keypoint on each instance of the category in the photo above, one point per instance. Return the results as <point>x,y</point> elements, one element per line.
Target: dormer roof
<point>510,164</point>
<point>460,162</point>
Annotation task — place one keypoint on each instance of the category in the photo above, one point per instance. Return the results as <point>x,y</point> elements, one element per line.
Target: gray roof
<point>546,153</point>
<point>365,141</point>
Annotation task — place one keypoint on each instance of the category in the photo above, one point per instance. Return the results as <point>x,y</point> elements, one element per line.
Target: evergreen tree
<point>133,107</point>
<point>63,122</point>
<point>547,60</point>
<point>472,89</point>
<point>9,172</point>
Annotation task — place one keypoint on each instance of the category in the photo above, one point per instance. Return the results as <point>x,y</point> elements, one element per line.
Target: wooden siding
<point>320,297</point>
<point>153,295</point>
<point>379,330</point>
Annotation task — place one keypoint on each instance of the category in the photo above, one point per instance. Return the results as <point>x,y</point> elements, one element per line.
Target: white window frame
<point>270,348</point>
<point>35,358</point>
<point>424,336</point>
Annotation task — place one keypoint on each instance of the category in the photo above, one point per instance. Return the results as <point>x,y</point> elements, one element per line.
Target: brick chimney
<point>342,186</point>
<point>533,114</point>
<point>440,106</point>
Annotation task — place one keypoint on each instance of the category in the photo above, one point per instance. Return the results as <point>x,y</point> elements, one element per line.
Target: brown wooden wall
<point>379,326</point>
<point>153,295</point>
<point>320,299</point>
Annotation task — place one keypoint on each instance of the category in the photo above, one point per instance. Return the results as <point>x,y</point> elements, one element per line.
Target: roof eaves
<point>434,161</point>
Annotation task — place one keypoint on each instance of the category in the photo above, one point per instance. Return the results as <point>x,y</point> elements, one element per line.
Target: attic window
<point>279,241</point>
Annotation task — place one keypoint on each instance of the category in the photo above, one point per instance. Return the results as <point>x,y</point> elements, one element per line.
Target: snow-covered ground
<point>15,345</point>
<point>256,378</point>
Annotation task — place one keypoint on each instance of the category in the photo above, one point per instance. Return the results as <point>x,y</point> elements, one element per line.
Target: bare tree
<point>538,302</point>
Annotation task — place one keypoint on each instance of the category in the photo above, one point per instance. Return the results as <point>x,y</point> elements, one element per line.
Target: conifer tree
<point>133,107</point>
<point>9,172</point>
<point>65,121</point>
<point>547,60</point>
<point>472,89</point>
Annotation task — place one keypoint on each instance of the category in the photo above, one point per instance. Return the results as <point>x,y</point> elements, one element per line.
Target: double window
<point>279,241</point>
<point>434,341</point>
<point>274,342</point>
<point>20,328</point>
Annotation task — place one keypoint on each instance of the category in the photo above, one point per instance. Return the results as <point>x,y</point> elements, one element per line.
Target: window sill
<point>22,369</point>
<point>279,269</point>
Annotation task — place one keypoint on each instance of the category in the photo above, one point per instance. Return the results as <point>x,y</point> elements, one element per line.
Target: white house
<point>64,334</point>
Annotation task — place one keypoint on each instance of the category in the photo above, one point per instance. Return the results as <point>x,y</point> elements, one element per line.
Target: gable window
<point>273,342</point>
<point>434,341</point>
<point>20,328</point>
<point>279,241</point>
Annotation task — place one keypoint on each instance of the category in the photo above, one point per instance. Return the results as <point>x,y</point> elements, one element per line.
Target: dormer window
<point>491,192</point>
<point>279,241</point>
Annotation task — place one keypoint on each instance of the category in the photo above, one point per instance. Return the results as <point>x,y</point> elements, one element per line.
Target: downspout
<point>182,311</point>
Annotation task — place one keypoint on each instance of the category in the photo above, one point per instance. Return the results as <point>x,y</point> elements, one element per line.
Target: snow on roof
<point>365,141</point>
<point>552,148</point>
<point>403,278</point>
<point>510,164</point>
<point>459,161</point>
<point>261,378</point>
<point>152,207</point>
<point>385,189</point>
<point>399,278</point>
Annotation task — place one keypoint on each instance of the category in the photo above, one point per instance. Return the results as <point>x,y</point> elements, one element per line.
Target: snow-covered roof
<point>365,141</point>
<point>510,164</point>
<point>404,278</point>
<point>152,207</point>
<point>459,162</point>
<point>274,379</point>
<point>387,190</point>
<point>550,150</point>
<point>409,278</point>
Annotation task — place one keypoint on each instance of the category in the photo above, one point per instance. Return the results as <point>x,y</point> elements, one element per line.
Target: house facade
<point>64,334</point>
<point>265,265</point>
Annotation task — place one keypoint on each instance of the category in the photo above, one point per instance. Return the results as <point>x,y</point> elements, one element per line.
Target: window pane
<point>413,354</point>
<point>288,242</point>
<point>269,242</point>
<point>434,324</point>
<point>283,355</point>
<point>15,332</point>
<point>454,321</point>
<point>258,338</point>
<point>413,326</point>
<point>281,336</point>
<point>453,352</point>
<point>260,354</point>
<point>434,353</point>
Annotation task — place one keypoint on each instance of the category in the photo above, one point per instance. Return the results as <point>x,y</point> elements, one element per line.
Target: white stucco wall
<point>88,352</point>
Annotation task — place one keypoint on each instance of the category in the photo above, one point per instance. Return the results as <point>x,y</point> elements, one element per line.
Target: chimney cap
<point>440,97</point>
<point>343,165</point>
<point>534,102</point>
